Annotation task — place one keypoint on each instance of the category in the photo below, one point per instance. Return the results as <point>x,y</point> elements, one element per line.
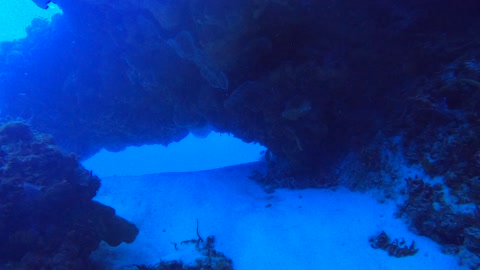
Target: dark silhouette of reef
<point>310,80</point>
<point>47,217</point>
<point>455,225</point>
<point>328,86</point>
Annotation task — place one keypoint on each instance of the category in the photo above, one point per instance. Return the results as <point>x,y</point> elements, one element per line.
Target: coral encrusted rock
<point>47,217</point>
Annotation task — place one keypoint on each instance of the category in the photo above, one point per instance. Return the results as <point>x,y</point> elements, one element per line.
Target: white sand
<point>303,229</point>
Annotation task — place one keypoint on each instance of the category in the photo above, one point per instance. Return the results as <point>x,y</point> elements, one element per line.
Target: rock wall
<point>47,217</point>
<point>306,79</point>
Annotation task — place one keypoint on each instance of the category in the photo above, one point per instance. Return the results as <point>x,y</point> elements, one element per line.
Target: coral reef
<point>309,90</point>
<point>47,217</point>
<point>450,224</point>
<point>396,248</point>
<point>315,85</point>
<point>208,258</point>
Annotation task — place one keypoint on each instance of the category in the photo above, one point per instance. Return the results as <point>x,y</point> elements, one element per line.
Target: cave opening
<point>17,15</point>
<point>349,99</point>
<point>217,150</point>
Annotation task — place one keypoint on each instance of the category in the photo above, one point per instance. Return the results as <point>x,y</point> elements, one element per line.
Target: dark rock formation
<point>431,216</point>
<point>47,217</point>
<point>308,80</point>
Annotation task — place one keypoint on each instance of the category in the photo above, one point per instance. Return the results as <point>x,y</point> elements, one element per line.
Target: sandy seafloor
<point>302,229</point>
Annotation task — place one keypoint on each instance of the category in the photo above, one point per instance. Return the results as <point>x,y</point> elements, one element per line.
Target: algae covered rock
<point>47,217</point>
<point>472,239</point>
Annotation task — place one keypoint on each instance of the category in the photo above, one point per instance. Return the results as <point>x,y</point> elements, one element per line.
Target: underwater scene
<point>239,134</point>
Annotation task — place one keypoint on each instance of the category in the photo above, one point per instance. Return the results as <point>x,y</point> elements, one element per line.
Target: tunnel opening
<point>217,150</point>
<point>17,15</point>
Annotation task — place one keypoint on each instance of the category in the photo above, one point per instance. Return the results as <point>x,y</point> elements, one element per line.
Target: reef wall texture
<point>310,80</point>
<point>47,217</point>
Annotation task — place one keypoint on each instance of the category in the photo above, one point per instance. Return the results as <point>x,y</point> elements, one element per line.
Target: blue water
<point>190,154</point>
